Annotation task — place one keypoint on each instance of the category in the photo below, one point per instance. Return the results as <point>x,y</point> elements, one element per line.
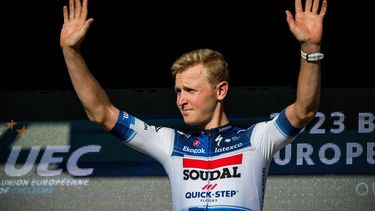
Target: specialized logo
<point>220,138</point>
<point>208,173</point>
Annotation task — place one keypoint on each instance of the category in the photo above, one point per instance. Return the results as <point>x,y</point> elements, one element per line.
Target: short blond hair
<point>213,61</point>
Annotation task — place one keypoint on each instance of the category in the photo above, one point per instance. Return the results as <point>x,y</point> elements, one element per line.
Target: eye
<point>189,90</point>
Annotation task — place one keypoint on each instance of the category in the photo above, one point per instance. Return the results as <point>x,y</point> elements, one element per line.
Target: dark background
<point>132,44</point>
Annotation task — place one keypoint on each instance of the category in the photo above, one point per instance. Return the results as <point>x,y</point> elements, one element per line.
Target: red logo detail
<point>212,164</point>
<point>209,186</point>
<point>196,143</point>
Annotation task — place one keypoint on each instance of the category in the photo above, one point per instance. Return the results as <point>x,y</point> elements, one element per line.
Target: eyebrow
<point>184,87</point>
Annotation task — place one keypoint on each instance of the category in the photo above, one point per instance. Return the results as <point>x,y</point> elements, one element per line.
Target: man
<point>218,167</point>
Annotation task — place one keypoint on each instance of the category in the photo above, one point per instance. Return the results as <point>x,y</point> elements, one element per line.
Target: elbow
<point>306,111</point>
<point>306,115</point>
<point>105,118</point>
<point>96,119</point>
<point>300,116</point>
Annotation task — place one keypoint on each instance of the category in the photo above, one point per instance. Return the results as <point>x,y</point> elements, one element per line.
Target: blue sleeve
<point>284,125</point>
<point>123,127</point>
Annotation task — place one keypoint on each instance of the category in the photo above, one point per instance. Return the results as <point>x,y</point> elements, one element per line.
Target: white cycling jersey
<point>223,168</point>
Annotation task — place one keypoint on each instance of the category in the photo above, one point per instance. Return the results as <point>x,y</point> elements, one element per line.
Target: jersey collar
<point>215,130</point>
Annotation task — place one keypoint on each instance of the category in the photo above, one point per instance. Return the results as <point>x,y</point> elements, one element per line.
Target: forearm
<point>303,110</point>
<point>308,89</point>
<point>92,96</point>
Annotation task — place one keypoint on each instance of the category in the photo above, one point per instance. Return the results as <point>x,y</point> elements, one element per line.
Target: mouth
<point>185,111</point>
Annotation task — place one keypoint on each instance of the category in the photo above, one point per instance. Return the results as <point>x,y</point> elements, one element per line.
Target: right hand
<point>75,25</point>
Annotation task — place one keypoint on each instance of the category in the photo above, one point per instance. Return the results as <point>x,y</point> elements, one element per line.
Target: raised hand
<point>75,25</point>
<point>307,25</point>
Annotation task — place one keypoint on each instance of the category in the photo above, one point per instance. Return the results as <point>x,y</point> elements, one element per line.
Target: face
<point>196,97</point>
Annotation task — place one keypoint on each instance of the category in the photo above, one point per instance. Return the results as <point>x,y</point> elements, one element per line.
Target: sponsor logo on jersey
<point>236,138</point>
<point>184,134</point>
<point>225,128</point>
<point>196,143</point>
<point>210,186</point>
<point>125,115</point>
<point>208,196</point>
<point>228,148</point>
<point>194,151</point>
<point>208,166</point>
<point>220,138</point>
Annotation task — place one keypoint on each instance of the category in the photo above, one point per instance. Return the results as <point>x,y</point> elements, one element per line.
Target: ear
<point>222,90</point>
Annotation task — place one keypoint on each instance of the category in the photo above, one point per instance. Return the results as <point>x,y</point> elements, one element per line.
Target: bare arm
<point>95,101</point>
<point>307,27</point>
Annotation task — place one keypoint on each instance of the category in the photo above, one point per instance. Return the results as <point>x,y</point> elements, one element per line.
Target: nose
<point>181,99</point>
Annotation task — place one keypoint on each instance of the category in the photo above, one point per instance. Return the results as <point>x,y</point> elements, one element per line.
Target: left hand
<point>307,25</point>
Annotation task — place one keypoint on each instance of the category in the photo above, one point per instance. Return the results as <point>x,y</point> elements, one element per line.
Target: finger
<point>65,12</point>
<point>323,10</point>
<point>71,9</point>
<point>88,23</point>
<point>78,8</point>
<point>315,6</point>
<point>308,5</point>
<point>298,6</point>
<point>86,26</point>
<point>289,19</point>
<point>84,9</point>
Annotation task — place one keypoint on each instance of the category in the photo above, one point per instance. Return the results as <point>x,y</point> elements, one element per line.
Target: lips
<point>186,111</point>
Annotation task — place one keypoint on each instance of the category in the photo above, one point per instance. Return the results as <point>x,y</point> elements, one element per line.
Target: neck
<point>219,118</point>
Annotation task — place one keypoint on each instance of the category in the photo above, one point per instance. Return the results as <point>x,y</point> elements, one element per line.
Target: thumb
<point>87,24</point>
<point>289,19</point>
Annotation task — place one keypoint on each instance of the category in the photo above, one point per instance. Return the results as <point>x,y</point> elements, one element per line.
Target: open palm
<point>75,25</point>
<point>307,26</point>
